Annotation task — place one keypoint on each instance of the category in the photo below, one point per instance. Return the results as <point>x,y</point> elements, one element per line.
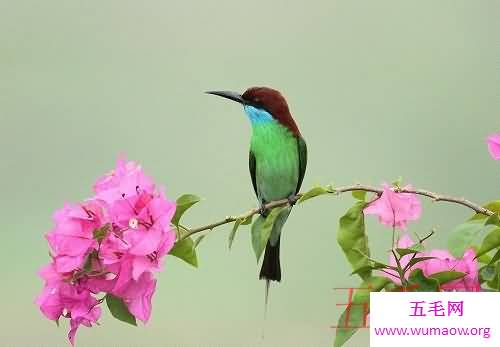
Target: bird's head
<point>263,104</point>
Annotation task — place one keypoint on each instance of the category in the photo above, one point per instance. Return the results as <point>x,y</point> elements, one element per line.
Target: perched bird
<point>278,158</point>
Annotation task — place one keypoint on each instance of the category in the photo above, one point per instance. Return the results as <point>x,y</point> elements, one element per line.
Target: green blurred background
<point>379,88</point>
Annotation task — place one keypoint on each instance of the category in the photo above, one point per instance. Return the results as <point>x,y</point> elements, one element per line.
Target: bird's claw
<point>292,199</point>
<point>263,211</point>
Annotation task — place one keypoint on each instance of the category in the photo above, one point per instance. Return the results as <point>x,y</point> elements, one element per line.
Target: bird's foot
<point>263,210</point>
<point>292,199</point>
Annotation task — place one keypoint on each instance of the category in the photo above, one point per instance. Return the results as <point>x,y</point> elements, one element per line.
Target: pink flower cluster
<point>395,209</point>
<point>443,261</point>
<point>112,243</point>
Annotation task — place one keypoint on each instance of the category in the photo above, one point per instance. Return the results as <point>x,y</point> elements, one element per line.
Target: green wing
<point>252,165</point>
<point>302,150</point>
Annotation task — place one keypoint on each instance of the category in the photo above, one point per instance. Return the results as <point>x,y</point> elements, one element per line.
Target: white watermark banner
<point>416,319</point>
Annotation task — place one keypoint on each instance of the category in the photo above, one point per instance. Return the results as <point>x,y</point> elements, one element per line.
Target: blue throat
<point>257,115</point>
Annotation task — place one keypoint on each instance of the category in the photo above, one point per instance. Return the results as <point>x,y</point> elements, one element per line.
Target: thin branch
<point>336,191</point>
<point>461,201</point>
<point>231,219</point>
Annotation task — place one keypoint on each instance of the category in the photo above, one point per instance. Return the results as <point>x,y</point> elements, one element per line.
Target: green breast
<point>276,160</point>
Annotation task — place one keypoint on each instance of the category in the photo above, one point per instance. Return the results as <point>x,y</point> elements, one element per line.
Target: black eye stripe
<point>257,103</point>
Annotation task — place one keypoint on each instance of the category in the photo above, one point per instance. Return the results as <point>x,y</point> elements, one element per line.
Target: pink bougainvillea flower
<point>494,146</point>
<point>444,261</point>
<point>72,237</point>
<point>145,255</point>
<point>49,300</point>
<point>112,243</point>
<point>395,209</point>
<point>151,262</point>
<point>84,312</point>
<point>126,180</point>
<point>142,211</point>
<point>113,248</point>
<point>145,229</point>
<point>156,218</point>
<point>62,298</point>
<point>137,296</point>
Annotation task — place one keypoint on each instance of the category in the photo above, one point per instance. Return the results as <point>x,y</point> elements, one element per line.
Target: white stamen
<point>133,223</point>
<point>110,276</point>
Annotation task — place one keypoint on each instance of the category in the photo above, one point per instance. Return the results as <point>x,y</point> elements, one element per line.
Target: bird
<point>277,162</point>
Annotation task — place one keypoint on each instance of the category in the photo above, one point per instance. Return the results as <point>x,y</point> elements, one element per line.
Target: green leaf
<point>367,268</point>
<point>495,258</point>
<point>198,240</point>
<point>493,206</point>
<point>232,234</point>
<point>417,260</point>
<point>447,276</point>
<point>405,251</point>
<point>354,315</point>
<point>419,246</point>
<point>261,230</point>
<point>464,236</point>
<point>419,283</point>
<point>352,238</point>
<point>100,233</point>
<point>314,192</point>
<point>247,221</point>
<point>491,241</point>
<point>486,273</point>
<point>119,310</point>
<point>185,250</point>
<point>393,287</point>
<point>495,281</point>
<point>359,195</point>
<point>493,220</point>
<point>183,203</point>
<point>236,225</point>
<point>397,182</point>
<point>484,259</point>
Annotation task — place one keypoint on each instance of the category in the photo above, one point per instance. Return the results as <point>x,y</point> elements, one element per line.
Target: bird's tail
<point>271,268</point>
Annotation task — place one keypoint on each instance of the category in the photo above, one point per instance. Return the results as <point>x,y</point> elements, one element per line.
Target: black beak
<point>229,95</point>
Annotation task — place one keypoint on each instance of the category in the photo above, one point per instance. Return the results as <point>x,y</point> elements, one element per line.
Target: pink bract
<point>494,146</point>
<point>127,179</point>
<point>395,209</point>
<point>444,261</point>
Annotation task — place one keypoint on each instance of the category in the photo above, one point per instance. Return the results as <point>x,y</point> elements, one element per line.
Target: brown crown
<point>273,102</point>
